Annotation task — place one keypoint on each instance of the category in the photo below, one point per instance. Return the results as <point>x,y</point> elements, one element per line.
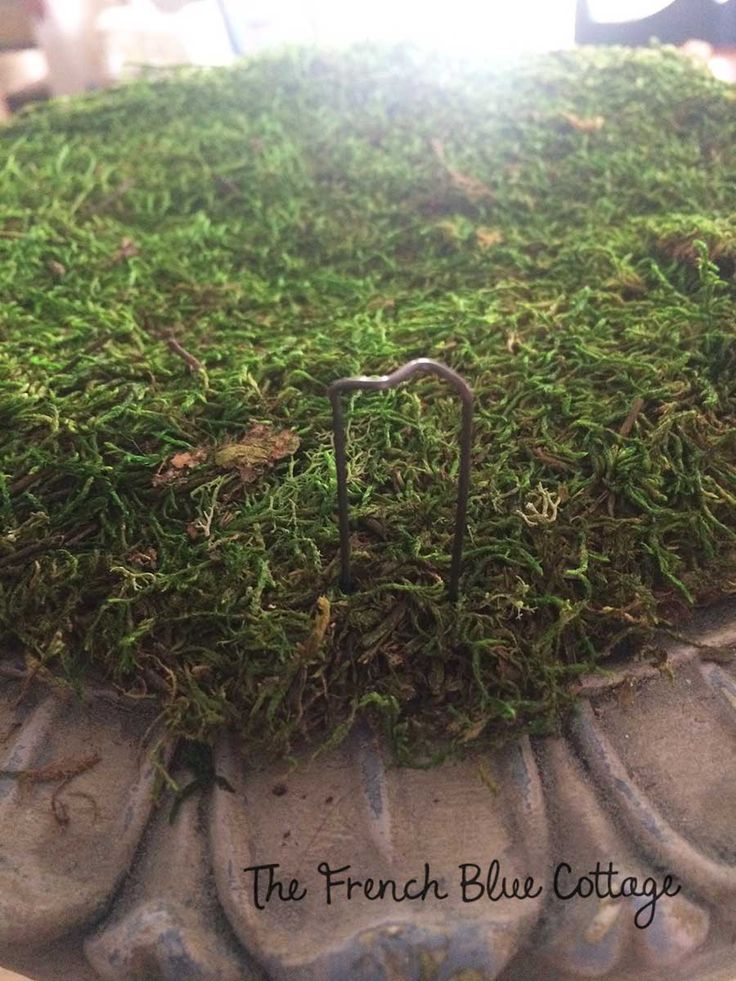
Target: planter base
<point>97,882</point>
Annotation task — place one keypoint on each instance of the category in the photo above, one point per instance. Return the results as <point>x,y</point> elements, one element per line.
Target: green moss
<point>190,260</point>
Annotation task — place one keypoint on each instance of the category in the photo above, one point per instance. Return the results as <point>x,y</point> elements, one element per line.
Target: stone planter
<point>96,881</point>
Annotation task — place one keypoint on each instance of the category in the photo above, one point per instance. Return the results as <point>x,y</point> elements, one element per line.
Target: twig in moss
<point>628,424</point>
<point>555,463</point>
<point>28,551</point>
<point>191,362</point>
<point>474,189</point>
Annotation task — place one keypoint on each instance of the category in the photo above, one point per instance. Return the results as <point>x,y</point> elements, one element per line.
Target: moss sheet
<point>186,263</point>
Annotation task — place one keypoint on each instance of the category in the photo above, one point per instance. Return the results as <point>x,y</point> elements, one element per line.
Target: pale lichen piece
<point>543,511</point>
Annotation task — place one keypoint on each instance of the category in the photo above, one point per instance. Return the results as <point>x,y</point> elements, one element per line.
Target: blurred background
<point>60,47</point>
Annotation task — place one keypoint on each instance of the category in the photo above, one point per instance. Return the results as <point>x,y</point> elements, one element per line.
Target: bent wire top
<point>380,383</point>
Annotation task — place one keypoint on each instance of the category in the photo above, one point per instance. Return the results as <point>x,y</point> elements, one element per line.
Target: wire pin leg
<point>362,382</point>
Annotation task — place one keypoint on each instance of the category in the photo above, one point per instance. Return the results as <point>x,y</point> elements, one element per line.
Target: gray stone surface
<point>96,881</point>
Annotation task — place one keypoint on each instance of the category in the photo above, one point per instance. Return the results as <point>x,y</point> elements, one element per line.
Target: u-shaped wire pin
<point>382,382</point>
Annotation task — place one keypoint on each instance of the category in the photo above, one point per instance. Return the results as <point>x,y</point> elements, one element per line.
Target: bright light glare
<point>723,68</point>
<point>492,28</point>
<point>69,15</point>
